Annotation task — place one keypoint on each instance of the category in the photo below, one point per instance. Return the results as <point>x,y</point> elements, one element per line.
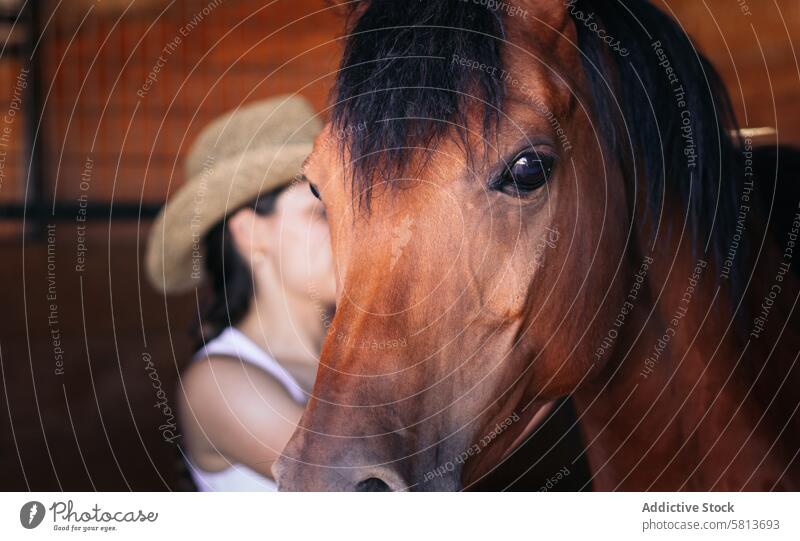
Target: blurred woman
<point>257,237</point>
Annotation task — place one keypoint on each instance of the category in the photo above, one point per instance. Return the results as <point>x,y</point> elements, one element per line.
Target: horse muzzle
<point>351,469</point>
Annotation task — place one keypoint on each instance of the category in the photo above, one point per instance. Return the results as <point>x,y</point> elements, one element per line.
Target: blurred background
<point>99,101</point>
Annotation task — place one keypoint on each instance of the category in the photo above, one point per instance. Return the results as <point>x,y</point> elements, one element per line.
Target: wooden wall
<point>138,135</point>
<point>755,46</point>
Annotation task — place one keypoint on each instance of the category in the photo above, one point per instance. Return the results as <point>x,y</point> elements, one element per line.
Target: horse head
<point>493,177</point>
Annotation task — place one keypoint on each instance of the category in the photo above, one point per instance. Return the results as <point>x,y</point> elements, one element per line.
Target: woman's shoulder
<point>230,378</point>
<point>216,390</point>
<point>233,411</point>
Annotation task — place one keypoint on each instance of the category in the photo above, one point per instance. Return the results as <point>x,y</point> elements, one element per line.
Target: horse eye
<point>527,173</point>
<point>314,191</point>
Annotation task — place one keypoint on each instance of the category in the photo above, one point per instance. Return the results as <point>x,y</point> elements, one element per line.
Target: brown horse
<point>538,201</point>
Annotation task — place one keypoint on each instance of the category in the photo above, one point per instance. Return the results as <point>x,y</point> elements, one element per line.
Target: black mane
<point>398,82</point>
<point>699,174</point>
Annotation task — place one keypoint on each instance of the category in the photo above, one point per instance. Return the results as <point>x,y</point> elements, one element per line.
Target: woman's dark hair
<point>229,276</point>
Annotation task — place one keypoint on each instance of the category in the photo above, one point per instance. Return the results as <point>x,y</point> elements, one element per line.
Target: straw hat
<point>250,150</point>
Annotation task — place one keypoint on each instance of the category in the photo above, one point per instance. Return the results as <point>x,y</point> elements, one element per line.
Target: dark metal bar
<point>8,18</point>
<point>97,211</point>
<point>14,50</point>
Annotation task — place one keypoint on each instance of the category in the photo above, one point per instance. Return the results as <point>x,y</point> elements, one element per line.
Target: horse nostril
<point>373,484</point>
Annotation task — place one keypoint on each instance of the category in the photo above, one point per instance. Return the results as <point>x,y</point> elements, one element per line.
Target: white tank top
<point>238,478</point>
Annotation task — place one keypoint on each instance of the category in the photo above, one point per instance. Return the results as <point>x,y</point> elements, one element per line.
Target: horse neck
<point>670,410</point>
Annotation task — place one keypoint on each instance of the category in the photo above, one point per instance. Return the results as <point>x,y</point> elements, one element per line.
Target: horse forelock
<point>400,87</point>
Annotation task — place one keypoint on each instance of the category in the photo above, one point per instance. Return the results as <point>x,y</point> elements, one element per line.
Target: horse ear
<point>351,10</point>
<point>549,21</point>
<point>551,13</point>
